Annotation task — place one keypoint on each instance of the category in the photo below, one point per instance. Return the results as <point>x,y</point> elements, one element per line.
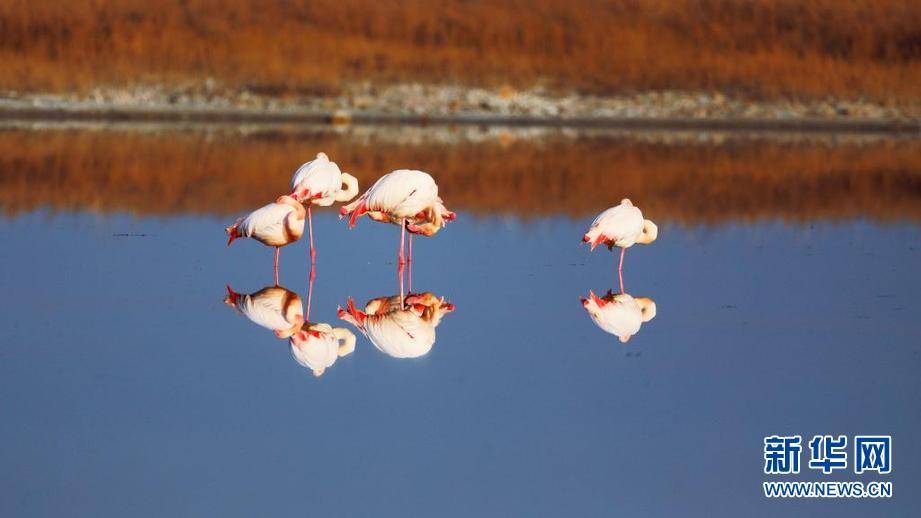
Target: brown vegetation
<point>768,48</point>
<point>227,174</point>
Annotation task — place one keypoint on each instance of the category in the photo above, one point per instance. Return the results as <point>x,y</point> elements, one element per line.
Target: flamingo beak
<point>351,314</point>
<point>300,194</point>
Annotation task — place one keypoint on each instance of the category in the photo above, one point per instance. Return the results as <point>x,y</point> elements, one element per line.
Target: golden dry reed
<point>759,48</point>
<point>225,174</point>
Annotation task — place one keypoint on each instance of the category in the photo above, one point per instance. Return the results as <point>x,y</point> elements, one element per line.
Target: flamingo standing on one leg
<point>622,226</point>
<point>321,182</point>
<point>404,197</point>
<point>277,224</point>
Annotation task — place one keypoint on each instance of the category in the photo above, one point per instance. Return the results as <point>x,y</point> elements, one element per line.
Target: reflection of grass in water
<point>762,47</point>
<point>226,174</point>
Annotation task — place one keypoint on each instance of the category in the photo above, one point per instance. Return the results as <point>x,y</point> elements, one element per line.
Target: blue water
<point>127,388</point>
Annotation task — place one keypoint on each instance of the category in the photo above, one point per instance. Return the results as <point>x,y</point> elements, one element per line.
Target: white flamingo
<point>622,226</point>
<point>320,182</point>
<point>397,326</point>
<point>319,346</point>
<point>620,314</point>
<point>277,224</point>
<point>407,198</point>
<point>272,307</point>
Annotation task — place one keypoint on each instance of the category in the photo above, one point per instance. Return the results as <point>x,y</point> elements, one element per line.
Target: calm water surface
<point>127,387</point>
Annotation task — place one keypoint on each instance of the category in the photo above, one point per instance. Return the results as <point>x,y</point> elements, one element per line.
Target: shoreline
<point>25,112</point>
<point>421,104</point>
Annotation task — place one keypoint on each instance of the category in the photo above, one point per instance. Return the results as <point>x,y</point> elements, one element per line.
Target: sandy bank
<point>414,103</point>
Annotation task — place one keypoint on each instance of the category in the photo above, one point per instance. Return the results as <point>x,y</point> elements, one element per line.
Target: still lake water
<point>127,386</point>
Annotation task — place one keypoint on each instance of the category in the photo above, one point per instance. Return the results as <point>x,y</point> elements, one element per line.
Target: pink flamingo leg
<point>409,271</point>
<point>309,294</point>
<point>410,255</point>
<point>400,258</point>
<point>277,251</point>
<point>620,269</point>
<point>313,252</point>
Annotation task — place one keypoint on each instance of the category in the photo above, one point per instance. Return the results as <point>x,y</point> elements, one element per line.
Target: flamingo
<point>320,182</point>
<point>622,226</point>
<point>277,224</point>
<point>407,198</point>
<point>319,346</point>
<point>620,314</point>
<point>400,327</point>
<point>272,307</point>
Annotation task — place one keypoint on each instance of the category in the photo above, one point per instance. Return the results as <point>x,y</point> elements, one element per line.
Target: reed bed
<point>755,48</point>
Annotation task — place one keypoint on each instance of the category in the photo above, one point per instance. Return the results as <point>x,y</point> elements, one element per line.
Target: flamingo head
<point>428,229</point>
<point>428,306</point>
<point>437,310</point>
<point>288,199</point>
<point>420,301</point>
<point>352,315</point>
<point>300,193</point>
<point>292,331</point>
<point>647,308</point>
<point>354,210</point>
<point>650,232</point>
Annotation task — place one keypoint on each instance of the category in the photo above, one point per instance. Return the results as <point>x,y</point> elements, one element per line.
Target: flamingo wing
<point>401,334</point>
<point>267,222</point>
<point>621,224</point>
<point>265,309</point>
<point>403,193</point>
<point>320,177</point>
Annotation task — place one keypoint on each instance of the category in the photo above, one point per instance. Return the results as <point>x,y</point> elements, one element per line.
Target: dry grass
<point>766,48</point>
<point>199,173</point>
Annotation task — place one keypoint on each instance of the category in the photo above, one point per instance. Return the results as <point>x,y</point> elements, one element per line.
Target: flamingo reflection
<point>314,345</point>
<point>272,307</point>
<point>620,314</point>
<point>401,327</point>
<point>319,346</point>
